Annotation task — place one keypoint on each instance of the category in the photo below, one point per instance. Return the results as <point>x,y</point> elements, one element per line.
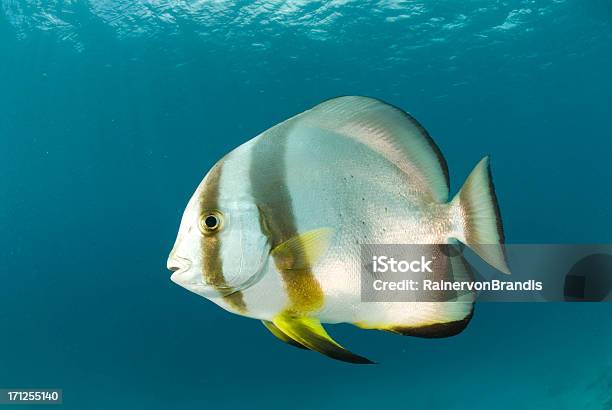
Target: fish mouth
<point>184,276</point>
<point>181,275</point>
<point>177,263</point>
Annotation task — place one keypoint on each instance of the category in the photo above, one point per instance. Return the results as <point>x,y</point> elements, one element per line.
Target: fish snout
<point>177,263</point>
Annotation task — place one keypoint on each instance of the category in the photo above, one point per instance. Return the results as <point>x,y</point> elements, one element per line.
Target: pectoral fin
<point>303,250</point>
<point>310,333</point>
<point>280,335</point>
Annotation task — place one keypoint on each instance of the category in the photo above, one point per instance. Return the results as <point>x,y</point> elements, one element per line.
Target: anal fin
<point>445,318</point>
<point>310,333</point>
<point>433,331</point>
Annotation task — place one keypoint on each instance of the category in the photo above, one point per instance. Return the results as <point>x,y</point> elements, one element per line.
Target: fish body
<point>274,231</point>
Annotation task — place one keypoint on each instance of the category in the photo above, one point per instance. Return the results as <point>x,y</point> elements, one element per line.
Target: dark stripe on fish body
<point>269,186</point>
<point>211,244</point>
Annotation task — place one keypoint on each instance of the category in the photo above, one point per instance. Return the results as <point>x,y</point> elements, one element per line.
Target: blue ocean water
<point>112,111</point>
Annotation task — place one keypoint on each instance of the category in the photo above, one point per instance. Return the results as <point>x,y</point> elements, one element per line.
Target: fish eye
<point>211,222</point>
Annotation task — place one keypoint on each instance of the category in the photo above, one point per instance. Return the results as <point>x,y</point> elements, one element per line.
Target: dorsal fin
<point>387,130</point>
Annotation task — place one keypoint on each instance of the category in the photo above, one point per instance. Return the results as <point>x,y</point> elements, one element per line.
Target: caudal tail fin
<point>478,213</point>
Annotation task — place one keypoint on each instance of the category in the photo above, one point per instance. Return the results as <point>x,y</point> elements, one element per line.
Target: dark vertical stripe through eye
<point>211,244</point>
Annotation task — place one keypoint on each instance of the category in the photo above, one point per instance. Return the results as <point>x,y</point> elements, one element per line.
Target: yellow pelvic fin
<point>309,332</point>
<point>280,335</point>
<point>303,250</point>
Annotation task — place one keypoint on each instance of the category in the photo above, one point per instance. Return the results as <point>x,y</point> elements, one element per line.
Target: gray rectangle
<point>31,396</point>
<point>455,273</point>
